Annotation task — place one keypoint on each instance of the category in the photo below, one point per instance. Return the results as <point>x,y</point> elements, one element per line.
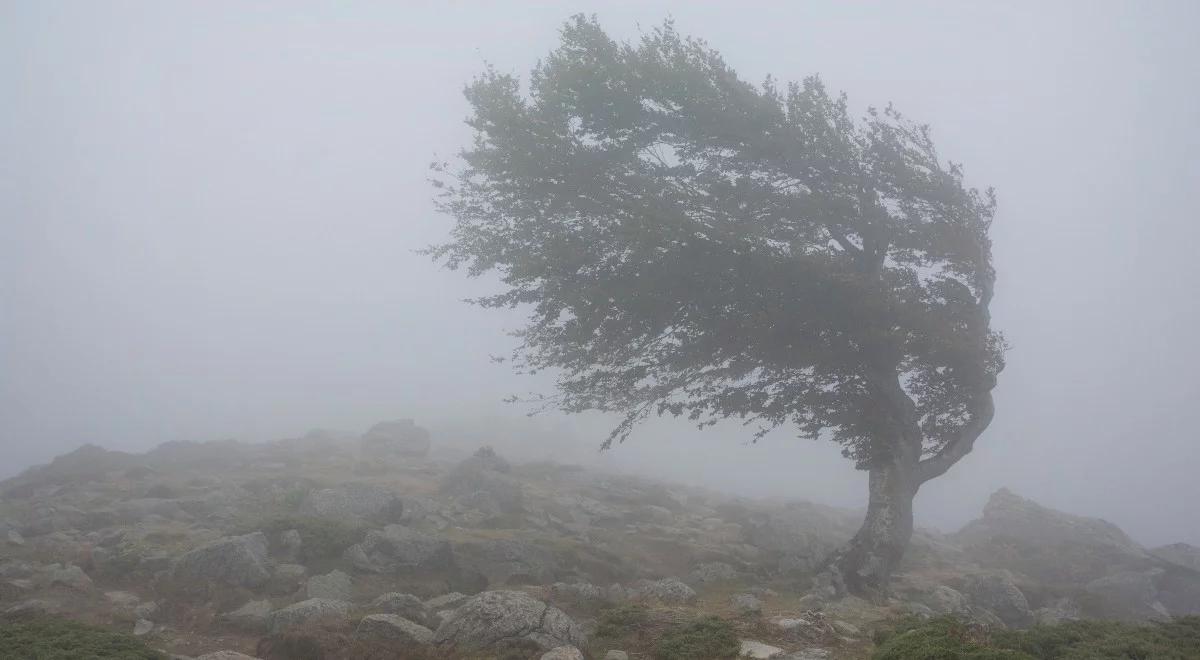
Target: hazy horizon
<point>209,214</point>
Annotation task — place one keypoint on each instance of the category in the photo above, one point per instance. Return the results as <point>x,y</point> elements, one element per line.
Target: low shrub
<point>943,638</point>
<point>1178,639</point>
<point>710,638</point>
<point>630,626</point>
<point>948,638</point>
<point>621,621</point>
<point>60,639</point>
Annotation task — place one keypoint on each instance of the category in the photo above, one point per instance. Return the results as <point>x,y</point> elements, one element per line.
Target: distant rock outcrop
<point>1180,554</point>
<point>1065,551</point>
<point>395,439</point>
<point>1009,516</point>
<point>88,462</point>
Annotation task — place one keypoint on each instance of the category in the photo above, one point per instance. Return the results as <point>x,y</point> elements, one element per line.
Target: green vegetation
<point>943,638</point>
<point>628,627</point>
<point>661,635</point>
<point>58,639</point>
<point>947,638</point>
<point>709,638</point>
<point>619,622</point>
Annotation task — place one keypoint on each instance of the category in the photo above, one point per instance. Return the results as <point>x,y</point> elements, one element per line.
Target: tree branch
<point>936,465</point>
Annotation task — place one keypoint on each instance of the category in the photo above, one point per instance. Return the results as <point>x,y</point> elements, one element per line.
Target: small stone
<point>759,651</point>
<point>446,601</point>
<point>146,610</point>
<point>392,629</point>
<point>143,627</point>
<point>811,602</point>
<point>845,628</point>
<point>122,599</point>
<point>788,623</point>
<point>670,591</point>
<point>563,653</point>
<point>616,655</point>
<point>15,538</point>
<point>747,604</point>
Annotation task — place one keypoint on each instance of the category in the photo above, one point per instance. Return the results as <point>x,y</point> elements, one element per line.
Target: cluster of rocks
<point>278,540</point>
<point>1076,567</point>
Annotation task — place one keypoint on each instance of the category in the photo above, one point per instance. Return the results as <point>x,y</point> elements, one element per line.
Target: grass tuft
<point>60,639</point>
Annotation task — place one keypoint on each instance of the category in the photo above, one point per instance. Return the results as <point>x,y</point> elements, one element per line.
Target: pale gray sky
<point>208,212</point>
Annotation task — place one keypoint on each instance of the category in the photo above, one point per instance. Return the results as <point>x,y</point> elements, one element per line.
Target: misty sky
<point>208,212</point>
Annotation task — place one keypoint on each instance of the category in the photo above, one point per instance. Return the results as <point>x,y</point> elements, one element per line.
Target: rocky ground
<point>377,546</point>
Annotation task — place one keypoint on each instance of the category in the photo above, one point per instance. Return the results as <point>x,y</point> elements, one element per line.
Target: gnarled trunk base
<point>866,563</point>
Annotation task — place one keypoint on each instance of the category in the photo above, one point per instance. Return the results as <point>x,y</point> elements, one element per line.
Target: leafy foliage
<point>691,244</point>
<point>1178,639</point>
<point>942,638</point>
<point>629,626</point>
<point>58,639</point>
<point>951,639</point>
<point>617,622</point>
<point>710,638</point>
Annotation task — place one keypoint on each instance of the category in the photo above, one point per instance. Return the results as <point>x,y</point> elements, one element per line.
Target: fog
<point>209,212</point>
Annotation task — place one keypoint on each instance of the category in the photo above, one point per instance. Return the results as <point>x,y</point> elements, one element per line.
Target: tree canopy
<point>692,244</point>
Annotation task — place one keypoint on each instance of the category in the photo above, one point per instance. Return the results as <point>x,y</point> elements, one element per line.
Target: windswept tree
<point>691,244</point>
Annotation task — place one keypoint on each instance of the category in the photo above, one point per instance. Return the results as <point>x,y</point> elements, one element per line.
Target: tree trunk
<point>867,562</point>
